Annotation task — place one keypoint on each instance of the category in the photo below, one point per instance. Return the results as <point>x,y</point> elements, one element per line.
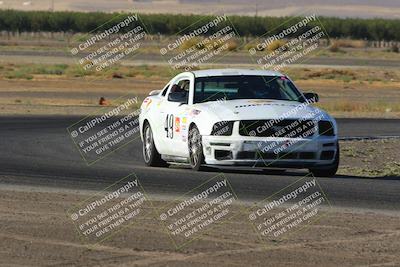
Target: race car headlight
<point>222,128</point>
<point>325,128</point>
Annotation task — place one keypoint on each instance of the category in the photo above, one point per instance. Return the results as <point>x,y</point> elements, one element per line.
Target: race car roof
<point>234,72</point>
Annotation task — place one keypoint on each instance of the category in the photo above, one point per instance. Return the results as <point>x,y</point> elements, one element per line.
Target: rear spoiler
<point>154,92</point>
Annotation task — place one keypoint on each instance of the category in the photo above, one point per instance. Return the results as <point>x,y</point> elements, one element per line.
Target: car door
<point>173,118</point>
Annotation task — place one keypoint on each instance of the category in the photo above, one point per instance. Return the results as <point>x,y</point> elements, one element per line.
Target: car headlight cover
<point>325,128</point>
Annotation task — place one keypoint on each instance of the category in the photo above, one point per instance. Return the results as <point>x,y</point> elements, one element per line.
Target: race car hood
<point>258,109</point>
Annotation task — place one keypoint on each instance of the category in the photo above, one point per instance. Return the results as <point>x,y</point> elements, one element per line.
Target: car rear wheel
<point>328,171</point>
<point>150,154</point>
<point>196,156</point>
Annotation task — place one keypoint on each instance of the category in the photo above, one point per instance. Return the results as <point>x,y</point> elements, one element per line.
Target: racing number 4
<point>169,125</point>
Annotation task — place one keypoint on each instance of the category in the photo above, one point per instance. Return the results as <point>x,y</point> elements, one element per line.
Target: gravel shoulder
<point>34,222</point>
<point>370,158</point>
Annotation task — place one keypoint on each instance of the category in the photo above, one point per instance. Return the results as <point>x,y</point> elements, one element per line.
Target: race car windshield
<point>245,87</point>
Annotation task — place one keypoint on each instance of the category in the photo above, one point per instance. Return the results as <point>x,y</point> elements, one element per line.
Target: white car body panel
<point>155,109</point>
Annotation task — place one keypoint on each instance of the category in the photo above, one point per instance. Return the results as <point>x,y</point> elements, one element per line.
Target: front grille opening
<point>246,155</point>
<point>327,155</point>
<point>288,155</point>
<point>328,144</point>
<point>222,155</point>
<point>289,128</point>
<point>268,155</point>
<point>307,155</point>
<point>219,144</point>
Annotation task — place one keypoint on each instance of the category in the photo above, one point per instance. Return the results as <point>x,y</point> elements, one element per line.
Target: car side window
<point>164,91</point>
<point>180,91</point>
<point>184,84</point>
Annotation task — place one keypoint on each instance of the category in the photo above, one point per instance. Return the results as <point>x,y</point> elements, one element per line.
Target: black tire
<point>195,146</point>
<point>328,171</point>
<point>150,154</point>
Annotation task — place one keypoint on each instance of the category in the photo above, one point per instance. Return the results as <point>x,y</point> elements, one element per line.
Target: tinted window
<point>164,92</point>
<point>181,90</point>
<point>245,87</point>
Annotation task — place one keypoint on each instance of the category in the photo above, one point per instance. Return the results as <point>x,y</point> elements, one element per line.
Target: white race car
<point>234,117</point>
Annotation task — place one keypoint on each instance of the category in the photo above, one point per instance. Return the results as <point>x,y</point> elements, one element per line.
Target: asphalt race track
<point>157,59</point>
<point>37,151</point>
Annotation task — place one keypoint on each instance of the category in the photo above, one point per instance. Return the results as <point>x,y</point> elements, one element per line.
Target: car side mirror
<point>154,92</point>
<point>180,97</point>
<point>311,97</point>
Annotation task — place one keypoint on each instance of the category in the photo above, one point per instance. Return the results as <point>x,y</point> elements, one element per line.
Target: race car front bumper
<point>269,152</point>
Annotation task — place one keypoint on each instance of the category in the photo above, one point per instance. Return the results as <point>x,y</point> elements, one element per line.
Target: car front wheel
<point>196,156</point>
<point>150,154</point>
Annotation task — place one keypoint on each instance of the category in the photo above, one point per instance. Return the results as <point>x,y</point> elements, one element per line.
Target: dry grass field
<point>62,88</point>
